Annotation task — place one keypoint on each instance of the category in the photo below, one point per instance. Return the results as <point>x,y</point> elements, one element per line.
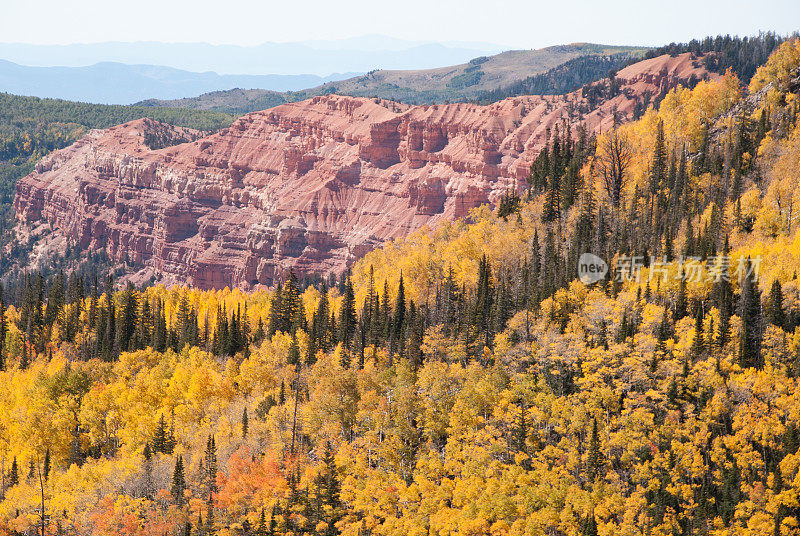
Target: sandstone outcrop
<point>309,185</point>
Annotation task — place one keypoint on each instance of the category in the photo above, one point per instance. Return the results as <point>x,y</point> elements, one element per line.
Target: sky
<point>510,23</point>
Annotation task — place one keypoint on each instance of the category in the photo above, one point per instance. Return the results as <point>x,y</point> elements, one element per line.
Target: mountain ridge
<point>323,181</point>
<point>269,57</point>
<point>118,83</point>
<point>462,82</point>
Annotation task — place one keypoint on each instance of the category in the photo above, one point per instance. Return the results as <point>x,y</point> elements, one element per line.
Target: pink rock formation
<point>310,185</point>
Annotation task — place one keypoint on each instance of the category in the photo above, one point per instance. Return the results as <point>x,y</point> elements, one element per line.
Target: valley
<point>562,303</point>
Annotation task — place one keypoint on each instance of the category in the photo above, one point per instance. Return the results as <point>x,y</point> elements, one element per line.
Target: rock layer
<point>310,185</point>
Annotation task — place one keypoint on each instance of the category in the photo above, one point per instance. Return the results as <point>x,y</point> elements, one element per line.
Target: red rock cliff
<point>310,185</point>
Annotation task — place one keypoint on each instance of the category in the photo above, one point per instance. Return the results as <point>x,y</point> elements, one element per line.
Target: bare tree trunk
<point>41,489</point>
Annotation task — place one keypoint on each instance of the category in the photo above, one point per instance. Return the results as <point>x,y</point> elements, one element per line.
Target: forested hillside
<point>742,54</point>
<point>563,79</point>
<point>460,381</point>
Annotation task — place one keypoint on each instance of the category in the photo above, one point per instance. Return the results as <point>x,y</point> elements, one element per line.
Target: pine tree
<point>658,164</point>
<point>589,526</point>
<point>178,482</point>
<point>416,335</point>
<point>681,300</point>
<point>144,328</point>
<point>319,325</point>
<point>210,465</point>
<point>552,203</point>
<point>749,310</point>
<point>595,460</point>
<point>294,352</point>
<point>291,315</point>
<point>722,294</point>
<point>521,432</point>
<point>263,528</point>
<point>347,314</point>
<point>399,310</point>
<point>110,332</point>
<point>275,311</point>
<point>697,343</point>
<point>13,475</point>
<point>128,317</point>
<point>773,310</point>
<point>55,300</point>
<point>94,303</point>
<point>329,487</point>
<point>244,423</point>
<point>484,300</point>
<point>209,524</point>
<point>183,319</point>
<point>25,360</point>
<point>161,436</point>
<point>386,313</point>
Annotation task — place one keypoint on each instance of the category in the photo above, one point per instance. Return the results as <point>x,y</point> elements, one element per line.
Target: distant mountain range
<point>568,67</point>
<point>117,83</point>
<point>360,54</point>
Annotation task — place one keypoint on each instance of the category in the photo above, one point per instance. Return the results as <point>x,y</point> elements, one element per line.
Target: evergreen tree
<point>294,352</point>
<point>347,314</point>
<point>589,526</point>
<point>110,332</point>
<point>13,475</point>
<point>209,524</point>
<point>244,423</point>
<point>773,310</point>
<point>658,163</point>
<point>161,436</point>
<point>329,489</point>
<point>291,315</point>
<point>399,310</point>
<point>521,432</point>
<point>128,318</point>
<point>55,300</point>
<point>319,338</point>
<point>144,328</point>
<point>681,300</point>
<point>596,459</point>
<point>416,335</point>
<point>210,465</point>
<point>749,310</point>
<point>183,321</point>
<point>263,528</point>
<point>94,304</point>
<point>698,343</point>
<point>722,294</point>
<point>484,300</point>
<point>178,482</point>
<point>275,311</point>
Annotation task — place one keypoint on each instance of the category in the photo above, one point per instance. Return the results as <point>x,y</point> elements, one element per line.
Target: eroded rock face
<point>310,185</point>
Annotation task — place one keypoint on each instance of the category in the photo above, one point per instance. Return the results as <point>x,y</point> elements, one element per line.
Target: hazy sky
<point>517,23</point>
